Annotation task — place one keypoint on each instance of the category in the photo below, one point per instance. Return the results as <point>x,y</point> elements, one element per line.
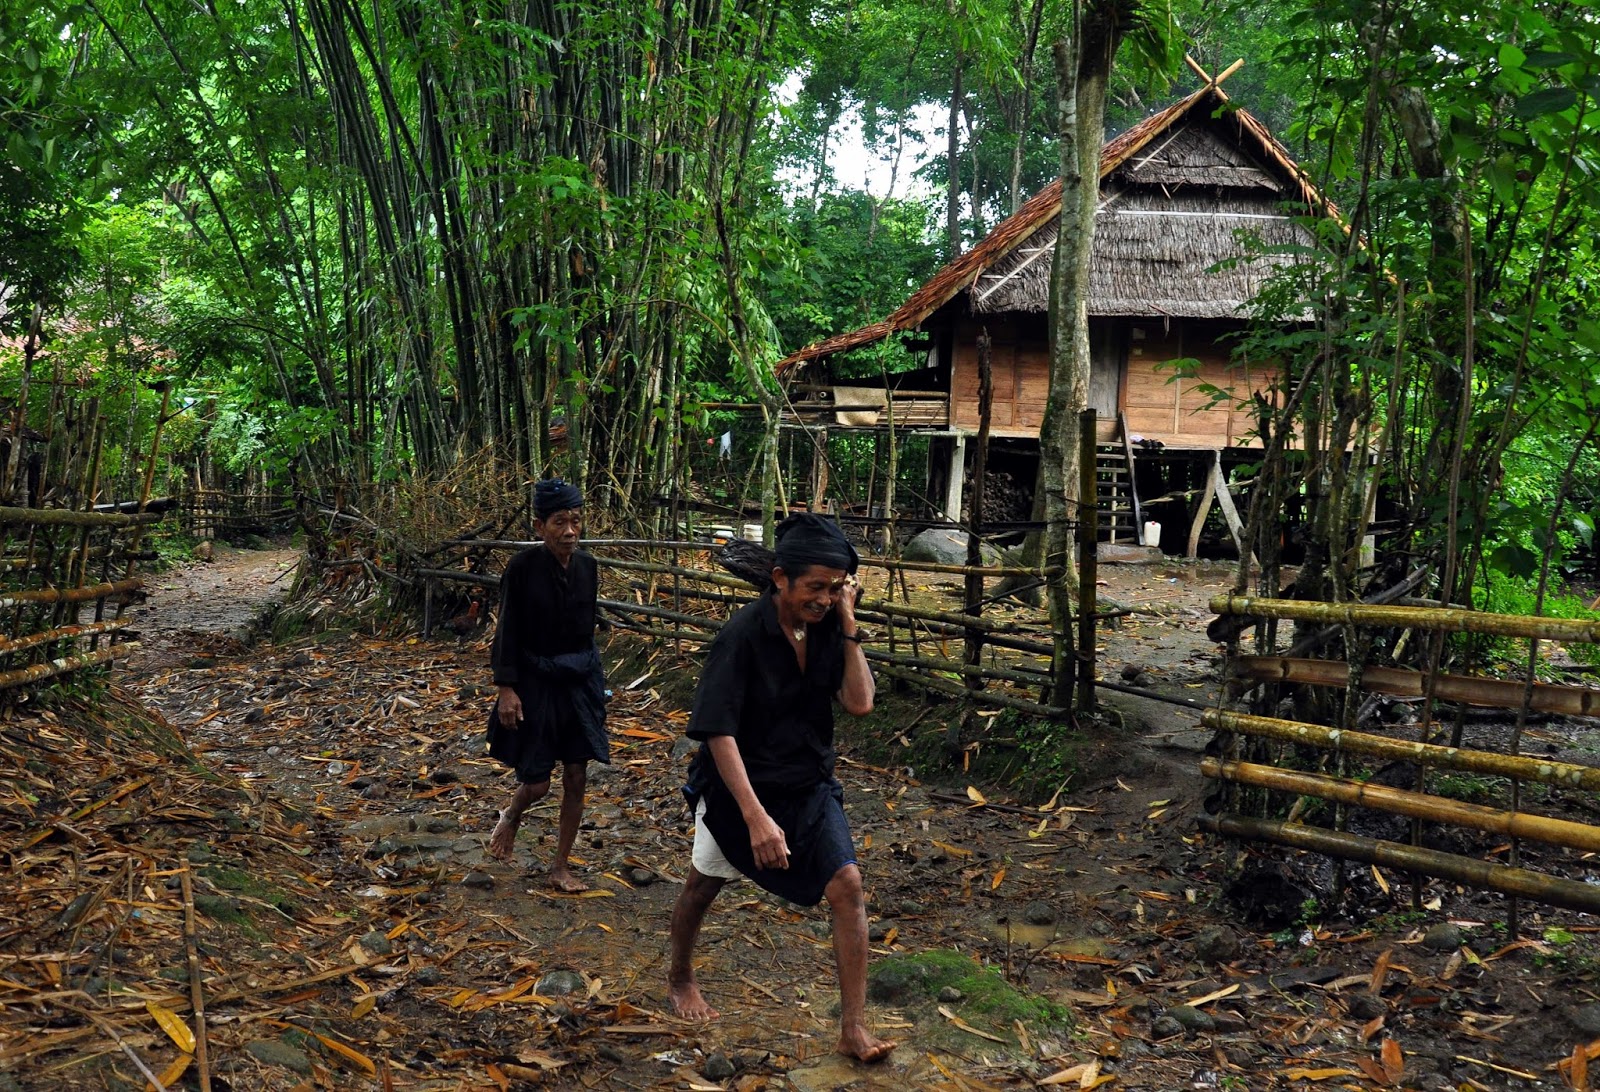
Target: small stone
<point>274,750</point>
<point>277,1052</point>
<point>444,777</point>
<point>1131,672</point>
<point>1217,944</point>
<point>911,908</point>
<point>440,824</point>
<point>1444,937</point>
<point>877,931</point>
<point>1191,1019</point>
<point>820,929</point>
<point>641,877</point>
<point>895,981</point>
<point>1367,1006</point>
<point>683,746</point>
<point>1039,913</point>
<point>560,984</point>
<point>363,783</point>
<point>377,943</point>
<point>1586,1018</point>
<point>200,663</point>
<point>611,1053</point>
<point>255,715</point>
<point>718,1067</point>
<point>950,993</point>
<point>427,976</point>
<point>1165,1027</point>
<point>200,853</point>
<point>477,879</point>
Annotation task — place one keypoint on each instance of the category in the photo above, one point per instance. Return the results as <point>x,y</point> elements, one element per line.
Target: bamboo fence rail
<point>1285,742</point>
<point>700,599</point>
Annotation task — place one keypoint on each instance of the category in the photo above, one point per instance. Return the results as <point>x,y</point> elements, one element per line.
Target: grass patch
<point>243,883</point>
<point>985,994</point>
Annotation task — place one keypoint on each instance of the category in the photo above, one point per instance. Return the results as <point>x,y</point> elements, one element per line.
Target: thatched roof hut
<point>1180,193</point>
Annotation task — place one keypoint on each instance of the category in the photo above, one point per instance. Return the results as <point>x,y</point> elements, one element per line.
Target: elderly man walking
<point>551,703</point>
<point>766,803</point>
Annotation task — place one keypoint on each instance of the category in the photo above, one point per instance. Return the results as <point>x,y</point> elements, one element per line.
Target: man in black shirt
<point>762,786</point>
<point>551,701</point>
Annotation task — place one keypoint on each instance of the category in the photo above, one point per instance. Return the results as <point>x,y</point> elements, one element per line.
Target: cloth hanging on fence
<point>875,399</point>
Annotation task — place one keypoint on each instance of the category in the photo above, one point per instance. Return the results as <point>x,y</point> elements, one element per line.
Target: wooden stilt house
<point>1187,198</point>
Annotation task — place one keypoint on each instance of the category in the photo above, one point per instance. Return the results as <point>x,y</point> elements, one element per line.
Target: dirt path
<point>989,916</point>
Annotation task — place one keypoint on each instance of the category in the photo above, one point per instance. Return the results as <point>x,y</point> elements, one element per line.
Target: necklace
<point>798,631</point>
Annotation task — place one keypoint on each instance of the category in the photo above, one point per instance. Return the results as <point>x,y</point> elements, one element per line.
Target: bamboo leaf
<point>173,1025</point>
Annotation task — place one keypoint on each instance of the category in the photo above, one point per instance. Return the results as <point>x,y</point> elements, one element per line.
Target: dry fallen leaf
<point>964,1026</point>
<point>173,1025</point>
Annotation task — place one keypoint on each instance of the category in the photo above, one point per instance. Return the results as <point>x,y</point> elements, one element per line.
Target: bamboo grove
<point>441,228</point>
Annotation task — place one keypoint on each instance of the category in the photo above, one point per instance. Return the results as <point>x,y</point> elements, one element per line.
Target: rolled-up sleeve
<point>720,697</point>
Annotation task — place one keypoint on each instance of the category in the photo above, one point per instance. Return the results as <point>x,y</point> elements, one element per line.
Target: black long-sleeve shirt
<point>545,610</point>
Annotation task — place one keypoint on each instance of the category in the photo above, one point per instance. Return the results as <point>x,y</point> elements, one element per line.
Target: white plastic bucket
<point>1152,533</point>
<point>722,535</point>
<point>752,532</point>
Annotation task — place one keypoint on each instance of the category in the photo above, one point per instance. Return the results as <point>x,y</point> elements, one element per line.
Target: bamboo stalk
<point>63,666</point>
<point>981,697</point>
<point>1495,693</point>
<point>1344,790</point>
<point>1526,768</point>
<point>70,595</point>
<point>867,560</point>
<point>62,633</point>
<point>57,517</point>
<point>196,994</point>
<point>1520,882</point>
<point>1451,619</point>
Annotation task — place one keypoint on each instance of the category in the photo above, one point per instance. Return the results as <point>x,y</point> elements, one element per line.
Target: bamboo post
<point>1446,619</point>
<point>1088,537</point>
<point>974,580</point>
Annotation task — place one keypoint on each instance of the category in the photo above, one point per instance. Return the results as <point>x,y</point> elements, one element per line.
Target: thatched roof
<point>1207,169</point>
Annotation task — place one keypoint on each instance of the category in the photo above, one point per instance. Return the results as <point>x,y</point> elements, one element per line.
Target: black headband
<point>553,495</point>
<point>808,539</point>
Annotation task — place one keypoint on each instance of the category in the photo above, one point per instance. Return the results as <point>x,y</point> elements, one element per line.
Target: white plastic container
<point>722,535</point>
<point>1152,533</point>
<point>752,532</point>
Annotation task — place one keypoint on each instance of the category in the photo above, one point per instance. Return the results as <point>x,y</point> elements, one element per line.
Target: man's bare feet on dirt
<point>503,839</point>
<point>563,880</point>
<point>687,1003</point>
<point>862,1045</point>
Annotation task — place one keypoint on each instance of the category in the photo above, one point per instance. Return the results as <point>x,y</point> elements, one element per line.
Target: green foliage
<point>984,990</point>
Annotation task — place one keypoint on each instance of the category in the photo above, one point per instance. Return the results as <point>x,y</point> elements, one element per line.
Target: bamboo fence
<point>670,591</point>
<point>1256,757</point>
<point>220,514</point>
<point>68,567</point>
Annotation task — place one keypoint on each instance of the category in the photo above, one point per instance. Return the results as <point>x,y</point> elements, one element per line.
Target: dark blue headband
<point>553,495</point>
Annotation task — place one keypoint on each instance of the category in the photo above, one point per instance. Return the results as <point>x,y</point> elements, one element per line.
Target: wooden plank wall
<point>1157,406</point>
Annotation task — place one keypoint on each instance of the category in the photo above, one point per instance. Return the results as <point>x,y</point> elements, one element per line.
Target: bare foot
<point>687,1003</point>
<point>503,839</point>
<point>862,1045</point>
<point>563,880</point>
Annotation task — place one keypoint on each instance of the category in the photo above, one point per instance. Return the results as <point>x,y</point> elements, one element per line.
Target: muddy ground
<point>351,932</point>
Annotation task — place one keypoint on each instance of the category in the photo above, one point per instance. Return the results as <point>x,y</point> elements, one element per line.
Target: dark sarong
<point>563,718</point>
<point>814,825</point>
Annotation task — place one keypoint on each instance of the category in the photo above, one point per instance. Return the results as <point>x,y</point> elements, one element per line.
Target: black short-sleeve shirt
<point>752,689</point>
<point>545,610</point>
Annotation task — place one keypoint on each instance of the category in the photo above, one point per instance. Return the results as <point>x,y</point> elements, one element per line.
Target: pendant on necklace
<point>799,632</point>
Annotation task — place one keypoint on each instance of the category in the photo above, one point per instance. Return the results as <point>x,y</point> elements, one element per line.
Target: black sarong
<point>814,826</point>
